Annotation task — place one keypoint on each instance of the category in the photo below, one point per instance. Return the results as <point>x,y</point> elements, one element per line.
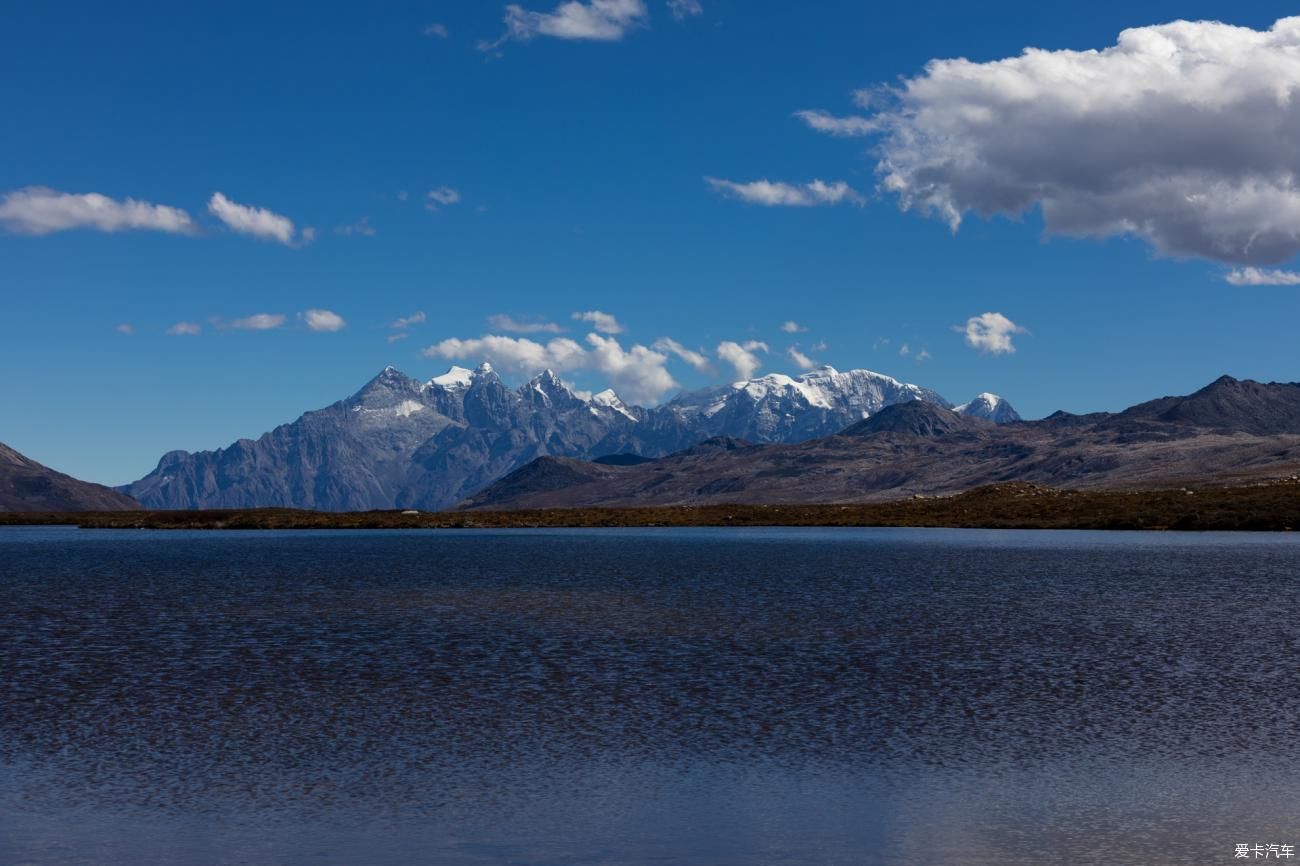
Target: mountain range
<point>404,443</point>
<point>1230,432</point>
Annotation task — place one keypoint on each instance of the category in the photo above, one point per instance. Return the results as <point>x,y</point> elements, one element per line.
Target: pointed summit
<point>990,407</point>
<point>389,379</point>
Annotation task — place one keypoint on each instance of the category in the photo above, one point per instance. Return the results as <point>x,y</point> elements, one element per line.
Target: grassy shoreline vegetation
<point>1272,506</point>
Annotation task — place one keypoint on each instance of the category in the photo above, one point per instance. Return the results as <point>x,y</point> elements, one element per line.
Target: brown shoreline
<point>1273,506</point>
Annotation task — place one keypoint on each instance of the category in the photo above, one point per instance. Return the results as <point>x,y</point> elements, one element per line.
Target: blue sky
<point>572,175</point>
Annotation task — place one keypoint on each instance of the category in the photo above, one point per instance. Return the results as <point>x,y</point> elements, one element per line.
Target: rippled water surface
<point>647,696</point>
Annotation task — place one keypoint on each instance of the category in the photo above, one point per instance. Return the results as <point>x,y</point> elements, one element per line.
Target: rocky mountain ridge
<point>1229,432</point>
<point>402,443</point>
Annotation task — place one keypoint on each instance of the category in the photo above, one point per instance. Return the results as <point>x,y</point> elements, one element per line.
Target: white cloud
<point>401,335</point>
<point>502,322</point>
<point>839,126</point>
<point>36,210</point>
<point>1262,277</point>
<point>259,322</point>
<point>405,322</point>
<point>249,220</point>
<point>443,195</point>
<point>514,353</point>
<point>322,320</point>
<point>698,360</point>
<point>683,9</point>
<point>990,332</point>
<point>792,327</point>
<point>776,193</point>
<point>308,235</point>
<point>603,322</point>
<point>1182,134</point>
<point>742,356</point>
<point>360,227</point>
<point>923,355</point>
<point>800,359</point>
<point>638,374</point>
<point>439,30</point>
<point>125,328</point>
<point>594,20</point>
<point>181,329</point>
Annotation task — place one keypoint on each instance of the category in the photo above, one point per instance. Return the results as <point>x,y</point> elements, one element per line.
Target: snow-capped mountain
<point>403,443</point>
<point>990,407</point>
<point>780,408</point>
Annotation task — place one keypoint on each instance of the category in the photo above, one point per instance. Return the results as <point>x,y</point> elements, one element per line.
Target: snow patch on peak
<point>456,377</point>
<point>610,400</point>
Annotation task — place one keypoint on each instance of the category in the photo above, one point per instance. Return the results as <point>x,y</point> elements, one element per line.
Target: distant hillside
<point>26,485</point>
<point>1229,432</point>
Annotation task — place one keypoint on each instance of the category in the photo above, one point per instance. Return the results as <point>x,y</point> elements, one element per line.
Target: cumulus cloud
<point>638,374</point>
<point>185,329</point>
<point>603,322</point>
<point>990,333</point>
<point>1262,277</point>
<point>259,322</point>
<point>514,353</point>
<point>801,360</point>
<point>322,320</point>
<point>683,9</point>
<point>405,322</point>
<point>502,322</point>
<point>792,327</point>
<point>443,195</point>
<point>776,193</point>
<point>1182,134</point>
<point>840,126</point>
<point>698,360</point>
<point>594,20</point>
<point>37,210</point>
<point>742,356</point>
<point>255,221</point>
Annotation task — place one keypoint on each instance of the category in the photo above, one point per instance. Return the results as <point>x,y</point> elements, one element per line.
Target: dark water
<point>647,696</point>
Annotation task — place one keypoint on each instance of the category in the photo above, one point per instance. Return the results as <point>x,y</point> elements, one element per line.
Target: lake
<point>685,696</point>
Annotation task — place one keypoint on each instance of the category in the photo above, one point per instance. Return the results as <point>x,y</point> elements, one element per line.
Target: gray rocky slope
<point>403,443</point>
